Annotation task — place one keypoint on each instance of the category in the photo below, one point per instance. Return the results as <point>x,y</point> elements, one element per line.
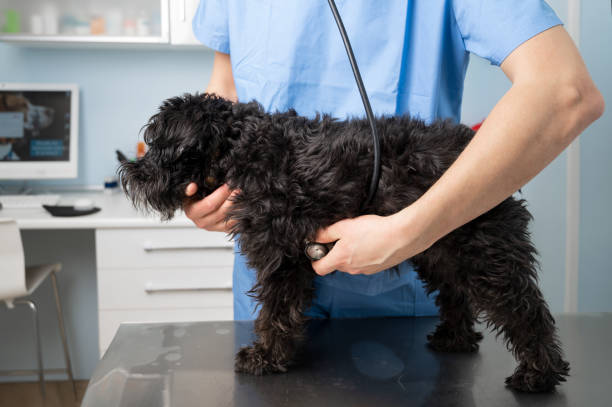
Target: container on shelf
<point>94,21</point>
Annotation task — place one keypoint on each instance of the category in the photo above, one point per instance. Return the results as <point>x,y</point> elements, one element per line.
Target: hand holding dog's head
<point>187,142</point>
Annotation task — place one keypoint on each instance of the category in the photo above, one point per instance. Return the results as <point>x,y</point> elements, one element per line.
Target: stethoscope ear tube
<point>366,104</point>
<point>314,250</point>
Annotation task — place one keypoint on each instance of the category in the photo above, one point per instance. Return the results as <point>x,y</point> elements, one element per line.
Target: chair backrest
<point>12,263</point>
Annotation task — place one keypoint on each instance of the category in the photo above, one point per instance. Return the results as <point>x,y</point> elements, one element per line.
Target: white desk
<point>147,270</point>
<point>117,212</point>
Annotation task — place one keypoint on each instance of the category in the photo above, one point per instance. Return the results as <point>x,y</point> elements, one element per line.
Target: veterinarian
<point>413,56</point>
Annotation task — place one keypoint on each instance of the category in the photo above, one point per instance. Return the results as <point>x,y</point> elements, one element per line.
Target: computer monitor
<point>38,130</point>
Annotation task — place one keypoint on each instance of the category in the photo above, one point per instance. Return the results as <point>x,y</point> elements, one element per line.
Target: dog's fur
<point>296,175</point>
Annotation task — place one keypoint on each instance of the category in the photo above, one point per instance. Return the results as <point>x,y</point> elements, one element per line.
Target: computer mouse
<point>83,204</point>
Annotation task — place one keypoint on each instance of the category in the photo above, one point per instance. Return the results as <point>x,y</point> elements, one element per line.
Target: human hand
<point>210,212</point>
<point>369,244</point>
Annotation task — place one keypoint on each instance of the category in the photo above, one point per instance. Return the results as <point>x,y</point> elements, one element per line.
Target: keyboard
<point>27,201</point>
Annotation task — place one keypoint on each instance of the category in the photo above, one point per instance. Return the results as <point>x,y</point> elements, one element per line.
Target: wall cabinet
<point>162,22</point>
<point>181,15</point>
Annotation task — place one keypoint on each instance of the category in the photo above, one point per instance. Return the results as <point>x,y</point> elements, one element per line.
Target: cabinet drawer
<point>160,288</point>
<point>109,321</point>
<point>162,247</point>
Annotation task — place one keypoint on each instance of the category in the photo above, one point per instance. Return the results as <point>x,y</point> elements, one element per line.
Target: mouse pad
<point>65,211</point>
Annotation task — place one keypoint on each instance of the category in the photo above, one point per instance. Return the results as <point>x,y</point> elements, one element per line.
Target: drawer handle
<point>150,247</point>
<point>151,288</point>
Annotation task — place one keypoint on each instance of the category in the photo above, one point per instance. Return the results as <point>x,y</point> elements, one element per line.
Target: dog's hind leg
<point>455,333</point>
<point>519,313</point>
<point>441,271</point>
<point>283,298</point>
<point>502,285</point>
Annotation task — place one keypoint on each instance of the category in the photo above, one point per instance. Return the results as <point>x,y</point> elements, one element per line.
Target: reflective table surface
<point>365,362</point>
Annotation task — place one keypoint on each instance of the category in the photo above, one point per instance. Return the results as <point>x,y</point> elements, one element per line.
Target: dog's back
<point>330,161</point>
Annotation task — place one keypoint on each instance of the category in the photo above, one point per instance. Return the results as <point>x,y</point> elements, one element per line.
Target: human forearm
<point>531,125</point>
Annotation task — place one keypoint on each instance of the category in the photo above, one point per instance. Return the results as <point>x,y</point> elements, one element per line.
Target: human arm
<point>209,213</point>
<point>221,80</point>
<point>551,101</point>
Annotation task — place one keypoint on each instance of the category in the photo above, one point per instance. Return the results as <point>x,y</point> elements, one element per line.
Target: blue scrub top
<point>412,54</point>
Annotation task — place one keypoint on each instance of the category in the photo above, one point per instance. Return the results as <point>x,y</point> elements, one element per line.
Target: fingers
<point>332,261</point>
<point>202,208</point>
<point>210,212</point>
<point>191,189</point>
<point>216,219</point>
<point>329,234</point>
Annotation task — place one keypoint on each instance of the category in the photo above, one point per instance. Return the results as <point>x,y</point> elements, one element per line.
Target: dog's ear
<point>245,116</point>
<point>190,121</point>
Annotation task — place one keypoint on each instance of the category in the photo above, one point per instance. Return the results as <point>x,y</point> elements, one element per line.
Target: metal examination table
<point>371,362</point>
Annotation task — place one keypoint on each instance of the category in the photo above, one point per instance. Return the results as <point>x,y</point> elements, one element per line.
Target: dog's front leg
<point>280,324</point>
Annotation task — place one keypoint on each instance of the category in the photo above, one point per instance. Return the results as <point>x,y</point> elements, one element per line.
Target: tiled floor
<point>59,394</point>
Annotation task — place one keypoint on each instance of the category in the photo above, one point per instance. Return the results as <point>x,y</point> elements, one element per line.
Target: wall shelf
<point>65,23</point>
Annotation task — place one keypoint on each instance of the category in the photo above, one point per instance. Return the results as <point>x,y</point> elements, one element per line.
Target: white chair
<point>18,281</point>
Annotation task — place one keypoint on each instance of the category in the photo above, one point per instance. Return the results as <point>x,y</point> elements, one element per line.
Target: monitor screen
<point>37,127</point>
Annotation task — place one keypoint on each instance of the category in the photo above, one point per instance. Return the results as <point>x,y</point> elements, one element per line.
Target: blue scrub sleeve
<point>210,25</point>
<point>493,29</point>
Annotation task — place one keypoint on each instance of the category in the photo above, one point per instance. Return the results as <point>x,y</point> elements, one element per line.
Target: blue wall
<point>595,271</point>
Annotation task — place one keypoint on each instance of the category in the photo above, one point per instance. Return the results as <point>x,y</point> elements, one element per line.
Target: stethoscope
<point>314,250</point>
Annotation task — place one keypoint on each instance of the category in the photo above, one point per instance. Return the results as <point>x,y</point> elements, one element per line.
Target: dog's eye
<point>210,181</point>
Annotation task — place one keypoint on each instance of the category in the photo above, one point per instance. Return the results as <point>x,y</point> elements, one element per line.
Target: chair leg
<point>60,320</point>
<point>41,377</point>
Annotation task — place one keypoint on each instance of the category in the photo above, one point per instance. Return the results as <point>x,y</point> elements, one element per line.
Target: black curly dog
<point>296,175</point>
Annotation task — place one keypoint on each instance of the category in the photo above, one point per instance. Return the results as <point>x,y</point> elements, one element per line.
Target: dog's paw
<point>445,339</point>
<point>253,360</point>
<point>530,380</point>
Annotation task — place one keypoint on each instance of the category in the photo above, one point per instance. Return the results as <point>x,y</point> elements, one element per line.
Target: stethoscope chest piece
<point>316,251</point>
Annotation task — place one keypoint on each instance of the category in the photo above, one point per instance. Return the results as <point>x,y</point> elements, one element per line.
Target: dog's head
<point>188,141</point>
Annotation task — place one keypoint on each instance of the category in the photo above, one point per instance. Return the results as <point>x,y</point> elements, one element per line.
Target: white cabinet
<point>165,22</point>
<point>181,15</point>
<point>169,274</point>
